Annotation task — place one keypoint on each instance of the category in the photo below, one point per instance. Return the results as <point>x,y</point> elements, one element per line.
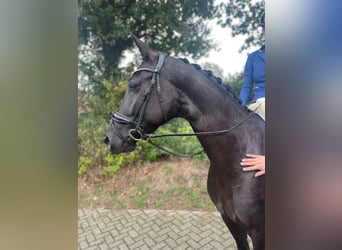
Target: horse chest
<point>231,195</point>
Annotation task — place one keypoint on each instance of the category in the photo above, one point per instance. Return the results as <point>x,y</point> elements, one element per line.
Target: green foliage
<point>143,193</point>
<point>94,154</point>
<point>167,170</point>
<point>104,27</point>
<point>178,144</point>
<point>193,195</point>
<point>234,81</point>
<point>106,100</point>
<point>83,164</point>
<point>194,198</point>
<point>177,191</point>
<point>200,185</point>
<point>243,18</point>
<point>88,144</point>
<point>114,163</point>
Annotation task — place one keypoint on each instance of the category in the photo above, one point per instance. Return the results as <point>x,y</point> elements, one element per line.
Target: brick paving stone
<point>151,230</point>
<point>161,238</point>
<point>115,244</point>
<point>138,245</point>
<point>93,248</point>
<point>109,239</point>
<point>159,246</point>
<point>124,247</point>
<point>83,245</point>
<point>144,248</point>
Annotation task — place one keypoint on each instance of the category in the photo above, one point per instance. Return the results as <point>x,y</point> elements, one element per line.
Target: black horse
<point>163,88</point>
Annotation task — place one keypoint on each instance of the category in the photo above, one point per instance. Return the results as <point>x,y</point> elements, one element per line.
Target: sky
<point>228,58</point>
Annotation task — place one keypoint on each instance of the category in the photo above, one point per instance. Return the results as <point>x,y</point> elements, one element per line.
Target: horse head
<point>147,103</point>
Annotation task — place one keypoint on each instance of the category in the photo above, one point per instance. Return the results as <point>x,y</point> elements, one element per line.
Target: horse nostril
<point>106,139</point>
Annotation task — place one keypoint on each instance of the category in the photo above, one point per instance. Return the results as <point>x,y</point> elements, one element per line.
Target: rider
<point>254,78</point>
<point>254,75</point>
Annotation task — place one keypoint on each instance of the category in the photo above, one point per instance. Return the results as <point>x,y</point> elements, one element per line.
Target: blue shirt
<point>254,77</point>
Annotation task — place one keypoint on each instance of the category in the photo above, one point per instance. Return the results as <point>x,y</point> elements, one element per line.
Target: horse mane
<point>217,80</point>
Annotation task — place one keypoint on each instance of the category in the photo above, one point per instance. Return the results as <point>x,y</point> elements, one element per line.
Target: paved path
<point>151,229</point>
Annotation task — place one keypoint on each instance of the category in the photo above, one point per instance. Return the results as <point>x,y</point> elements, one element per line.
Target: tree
<point>216,69</point>
<point>176,26</point>
<point>234,81</point>
<point>243,18</point>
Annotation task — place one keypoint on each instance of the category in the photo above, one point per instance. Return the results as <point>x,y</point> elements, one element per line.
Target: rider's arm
<point>246,88</point>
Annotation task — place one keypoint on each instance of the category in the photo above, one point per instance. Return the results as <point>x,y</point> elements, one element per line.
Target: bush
<point>94,154</point>
<point>95,106</point>
<point>178,144</point>
<point>94,111</point>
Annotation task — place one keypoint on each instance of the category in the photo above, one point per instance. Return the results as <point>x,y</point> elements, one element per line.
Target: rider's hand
<point>254,162</point>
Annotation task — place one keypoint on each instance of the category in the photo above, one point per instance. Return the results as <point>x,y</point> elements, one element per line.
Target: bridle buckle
<point>135,135</point>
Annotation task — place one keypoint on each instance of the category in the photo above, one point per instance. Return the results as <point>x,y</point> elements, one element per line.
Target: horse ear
<point>146,52</point>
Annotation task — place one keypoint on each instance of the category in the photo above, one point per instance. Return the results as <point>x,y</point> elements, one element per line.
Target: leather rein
<point>137,133</point>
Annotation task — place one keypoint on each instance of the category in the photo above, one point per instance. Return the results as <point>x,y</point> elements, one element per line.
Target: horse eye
<point>133,86</point>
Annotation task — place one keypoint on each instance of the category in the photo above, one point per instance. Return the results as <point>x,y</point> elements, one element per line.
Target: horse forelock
<point>217,80</point>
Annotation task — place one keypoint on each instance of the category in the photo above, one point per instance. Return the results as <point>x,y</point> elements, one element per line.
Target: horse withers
<point>163,88</point>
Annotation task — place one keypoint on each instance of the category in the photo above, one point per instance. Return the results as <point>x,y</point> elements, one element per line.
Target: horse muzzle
<point>118,144</point>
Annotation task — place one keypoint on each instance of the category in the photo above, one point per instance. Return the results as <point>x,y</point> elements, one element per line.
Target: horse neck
<point>208,108</point>
<point>205,104</point>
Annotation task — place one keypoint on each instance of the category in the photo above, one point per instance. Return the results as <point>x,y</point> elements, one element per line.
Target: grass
<point>117,201</point>
<point>194,198</point>
<point>143,193</point>
<point>83,196</point>
<point>97,192</point>
<point>167,170</point>
<point>145,188</point>
<point>159,204</point>
<point>181,196</point>
<point>142,197</point>
<point>175,191</point>
<point>200,185</point>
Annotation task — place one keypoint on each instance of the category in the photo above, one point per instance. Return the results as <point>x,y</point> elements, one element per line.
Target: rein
<point>138,133</point>
<point>209,133</point>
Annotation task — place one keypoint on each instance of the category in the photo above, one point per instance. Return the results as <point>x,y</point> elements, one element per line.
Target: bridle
<point>138,133</point>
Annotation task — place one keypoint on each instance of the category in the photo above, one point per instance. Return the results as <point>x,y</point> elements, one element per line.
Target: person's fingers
<point>252,155</point>
<point>250,168</point>
<point>259,173</point>
<point>248,162</point>
<point>244,163</point>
